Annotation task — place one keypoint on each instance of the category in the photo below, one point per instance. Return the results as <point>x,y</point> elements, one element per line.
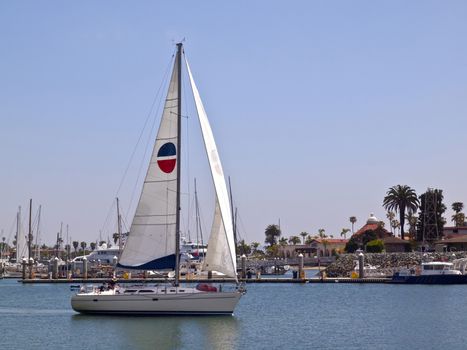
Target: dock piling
<point>301,272</point>
<point>361,260</point>
<point>243,266</point>
<point>85,268</point>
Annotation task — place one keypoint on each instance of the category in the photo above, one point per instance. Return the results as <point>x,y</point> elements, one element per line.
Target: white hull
<point>185,301</point>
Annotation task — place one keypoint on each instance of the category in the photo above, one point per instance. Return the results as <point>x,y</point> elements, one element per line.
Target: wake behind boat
<point>154,239</point>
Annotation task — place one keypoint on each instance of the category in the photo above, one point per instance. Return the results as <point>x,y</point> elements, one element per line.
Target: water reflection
<point>165,332</point>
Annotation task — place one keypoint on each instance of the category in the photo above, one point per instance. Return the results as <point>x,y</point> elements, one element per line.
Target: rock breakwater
<point>387,263</point>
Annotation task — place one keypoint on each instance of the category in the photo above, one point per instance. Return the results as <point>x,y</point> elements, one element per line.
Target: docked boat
<point>153,242</point>
<point>437,272</point>
<point>103,254</point>
<point>274,270</point>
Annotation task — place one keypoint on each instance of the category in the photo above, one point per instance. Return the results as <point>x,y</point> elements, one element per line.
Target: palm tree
<point>75,246</point>
<point>243,248</point>
<point>255,246</point>
<point>272,233</point>
<point>390,215</point>
<point>412,220</point>
<point>92,245</point>
<point>458,218</point>
<point>83,246</point>
<point>309,239</point>
<point>457,207</point>
<point>322,236</point>
<point>395,225</point>
<point>401,198</point>
<point>303,234</point>
<point>294,240</point>
<point>353,220</point>
<point>283,241</point>
<point>344,232</point>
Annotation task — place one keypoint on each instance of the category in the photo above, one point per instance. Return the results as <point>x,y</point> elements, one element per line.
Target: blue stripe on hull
<point>166,262</point>
<point>159,313</point>
<point>431,279</point>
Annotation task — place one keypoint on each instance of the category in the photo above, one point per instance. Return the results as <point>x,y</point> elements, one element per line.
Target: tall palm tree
<point>83,246</point>
<point>272,233</point>
<point>294,240</point>
<point>396,225</point>
<point>401,198</point>
<point>390,215</point>
<point>344,232</point>
<point>458,218</point>
<point>412,220</point>
<point>322,235</point>
<point>457,207</point>
<point>303,234</point>
<point>353,220</point>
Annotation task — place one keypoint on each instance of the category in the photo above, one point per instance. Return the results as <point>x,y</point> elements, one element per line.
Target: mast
<point>179,147</point>
<point>119,229</point>
<point>30,230</point>
<point>18,233</point>
<point>38,255</point>
<point>232,213</point>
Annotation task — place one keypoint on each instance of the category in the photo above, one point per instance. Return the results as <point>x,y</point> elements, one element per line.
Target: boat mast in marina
<point>119,228</point>
<point>37,254</point>
<point>30,240</point>
<point>20,238</point>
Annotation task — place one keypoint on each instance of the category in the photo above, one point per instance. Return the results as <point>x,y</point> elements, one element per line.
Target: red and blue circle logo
<point>167,157</point>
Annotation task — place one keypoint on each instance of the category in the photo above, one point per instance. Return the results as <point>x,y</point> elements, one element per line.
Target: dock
<point>214,280</point>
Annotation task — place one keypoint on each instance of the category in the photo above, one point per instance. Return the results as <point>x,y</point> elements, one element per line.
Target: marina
<point>235,175</point>
<point>324,316</point>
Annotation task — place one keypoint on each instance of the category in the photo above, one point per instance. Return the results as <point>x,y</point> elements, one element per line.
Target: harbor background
<point>295,316</point>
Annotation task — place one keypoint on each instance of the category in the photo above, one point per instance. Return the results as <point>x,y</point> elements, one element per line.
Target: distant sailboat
<point>20,239</point>
<point>154,239</point>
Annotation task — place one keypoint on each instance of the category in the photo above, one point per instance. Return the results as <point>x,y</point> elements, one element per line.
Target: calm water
<point>269,316</point>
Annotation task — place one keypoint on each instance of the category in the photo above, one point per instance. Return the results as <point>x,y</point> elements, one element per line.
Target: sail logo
<point>167,157</point>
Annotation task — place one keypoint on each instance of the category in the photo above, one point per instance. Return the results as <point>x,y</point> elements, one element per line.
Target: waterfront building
<point>391,243</point>
<point>375,225</point>
<point>317,247</point>
<point>396,245</point>
<point>454,231</point>
<point>454,244</point>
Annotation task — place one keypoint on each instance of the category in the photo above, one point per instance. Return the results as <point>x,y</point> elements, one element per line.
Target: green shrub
<point>375,246</point>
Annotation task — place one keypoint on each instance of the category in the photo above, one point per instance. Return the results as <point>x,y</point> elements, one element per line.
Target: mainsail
<point>221,246</point>
<point>151,241</point>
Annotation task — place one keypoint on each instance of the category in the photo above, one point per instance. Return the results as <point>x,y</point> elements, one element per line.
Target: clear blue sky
<point>318,107</point>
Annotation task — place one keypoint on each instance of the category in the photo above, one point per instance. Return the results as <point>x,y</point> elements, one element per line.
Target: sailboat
<point>154,239</point>
<point>20,240</point>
